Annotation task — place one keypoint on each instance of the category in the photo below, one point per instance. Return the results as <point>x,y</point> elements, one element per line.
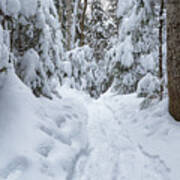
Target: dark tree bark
<point>69,12</point>
<point>173,56</point>
<point>161,47</point>
<point>82,23</point>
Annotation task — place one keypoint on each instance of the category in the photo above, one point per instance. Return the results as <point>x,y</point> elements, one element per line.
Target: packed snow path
<point>114,155</point>
<point>78,138</point>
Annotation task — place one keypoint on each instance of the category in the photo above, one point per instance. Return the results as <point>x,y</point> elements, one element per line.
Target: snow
<point>123,6</point>
<point>13,7</point>
<point>40,139</point>
<point>148,85</point>
<point>28,7</point>
<point>4,51</point>
<point>67,67</point>
<point>148,63</point>
<point>29,66</point>
<point>127,59</point>
<point>1,35</point>
<point>76,137</point>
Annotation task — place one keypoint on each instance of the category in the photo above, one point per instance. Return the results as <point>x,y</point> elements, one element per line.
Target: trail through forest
<point>78,138</point>
<point>115,154</point>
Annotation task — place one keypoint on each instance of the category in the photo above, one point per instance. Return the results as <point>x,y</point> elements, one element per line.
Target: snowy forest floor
<point>79,138</point>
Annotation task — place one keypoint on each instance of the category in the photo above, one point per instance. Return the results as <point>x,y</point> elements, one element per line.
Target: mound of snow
<point>28,7</point>
<point>148,85</point>
<point>40,138</point>
<point>13,7</point>
<point>29,66</point>
<point>148,63</point>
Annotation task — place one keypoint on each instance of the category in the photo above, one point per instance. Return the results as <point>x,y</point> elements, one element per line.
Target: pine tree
<point>100,30</point>
<point>61,10</point>
<point>5,62</point>
<point>35,42</point>
<point>135,52</point>
<point>112,11</point>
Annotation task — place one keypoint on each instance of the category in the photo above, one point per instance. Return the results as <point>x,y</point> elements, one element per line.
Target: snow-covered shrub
<point>148,85</point>
<point>149,102</point>
<point>147,63</point>
<point>31,72</point>
<point>29,65</point>
<point>6,66</point>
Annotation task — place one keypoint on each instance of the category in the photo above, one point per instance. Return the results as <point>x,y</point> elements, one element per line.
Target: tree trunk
<point>61,7</point>
<point>173,56</point>
<point>161,48</point>
<point>74,24</point>
<point>69,12</point>
<point>82,23</point>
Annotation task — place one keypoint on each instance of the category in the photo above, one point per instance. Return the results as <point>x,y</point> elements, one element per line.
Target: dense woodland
<point>91,45</point>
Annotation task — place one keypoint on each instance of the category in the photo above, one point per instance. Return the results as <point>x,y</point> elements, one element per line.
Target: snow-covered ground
<point>79,138</point>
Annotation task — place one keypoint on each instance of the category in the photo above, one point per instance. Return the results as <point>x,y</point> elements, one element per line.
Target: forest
<point>89,89</point>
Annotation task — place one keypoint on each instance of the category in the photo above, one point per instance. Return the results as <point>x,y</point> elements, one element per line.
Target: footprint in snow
<point>14,169</point>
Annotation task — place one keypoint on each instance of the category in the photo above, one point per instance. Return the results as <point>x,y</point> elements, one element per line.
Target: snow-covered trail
<point>78,138</point>
<point>115,155</point>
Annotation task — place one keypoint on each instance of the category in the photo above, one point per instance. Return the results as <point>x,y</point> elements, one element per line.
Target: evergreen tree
<point>35,41</point>
<point>100,30</point>
<point>61,10</point>
<point>136,52</point>
<point>112,11</point>
<point>5,62</point>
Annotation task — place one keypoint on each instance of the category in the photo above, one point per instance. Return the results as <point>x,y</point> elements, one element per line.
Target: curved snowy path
<point>114,155</point>
<point>78,138</point>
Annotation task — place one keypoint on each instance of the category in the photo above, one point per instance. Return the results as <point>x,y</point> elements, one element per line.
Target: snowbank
<point>40,139</point>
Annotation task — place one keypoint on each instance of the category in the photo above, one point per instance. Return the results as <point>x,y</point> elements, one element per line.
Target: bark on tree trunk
<point>74,24</point>
<point>82,23</point>
<point>161,48</point>
<point>173,56</point>
<point>69,12</point>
